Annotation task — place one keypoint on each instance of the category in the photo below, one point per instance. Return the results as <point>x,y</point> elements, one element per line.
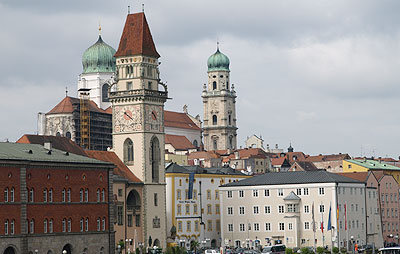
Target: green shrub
<point>320,250</point>
<point>343,250</point>
<point>289,251</point>
<point>305,250</point>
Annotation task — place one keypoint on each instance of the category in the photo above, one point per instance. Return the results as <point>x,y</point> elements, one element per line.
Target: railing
<point>134,208</point>
<point>138,92</point>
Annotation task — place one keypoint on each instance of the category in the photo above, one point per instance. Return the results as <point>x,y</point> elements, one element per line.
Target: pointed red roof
<point>179,142</point>
<point>136,38</point>
<point>179,120</point>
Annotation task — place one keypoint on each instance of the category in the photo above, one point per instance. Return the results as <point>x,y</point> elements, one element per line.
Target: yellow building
<point>367,165</point>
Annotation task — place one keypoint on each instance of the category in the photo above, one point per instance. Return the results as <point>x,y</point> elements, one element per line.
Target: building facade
<point>52,200</point>
<point>138,121</point>
<point>219,102</point>
<point>290,207</point>
<point>196,217</point>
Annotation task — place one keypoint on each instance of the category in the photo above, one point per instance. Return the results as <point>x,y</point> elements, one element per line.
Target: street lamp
<point>119,248</point>
<point>64,252</point>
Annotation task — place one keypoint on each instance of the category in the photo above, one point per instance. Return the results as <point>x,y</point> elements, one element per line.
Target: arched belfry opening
<point>10,250</point>
<point>155,159</point>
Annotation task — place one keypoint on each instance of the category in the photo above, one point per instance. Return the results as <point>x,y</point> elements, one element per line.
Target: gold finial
<point>66,91</point>
<point>99,29</point>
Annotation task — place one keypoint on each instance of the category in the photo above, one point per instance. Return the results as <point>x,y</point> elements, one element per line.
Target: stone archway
<point>10,250</point>
<point>156,243</point>
<point>213,243</point>
<point>67,248</point>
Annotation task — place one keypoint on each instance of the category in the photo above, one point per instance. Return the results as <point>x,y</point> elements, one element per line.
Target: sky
<point>320,74</point>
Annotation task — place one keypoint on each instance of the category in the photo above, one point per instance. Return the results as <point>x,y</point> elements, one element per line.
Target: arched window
<point>32,195</point>
<point>86,195</point>
<point>81,225</point>
<point>51,226</point>
<point>103,195</point>
<point>215,144</point>
<point>103,222</point>
<point>104,93</point>
<point>6,195</point>
<point>81,195</point>
<point>214,85</point>
<point>68,134</point>
<point>195,143</point>
<point>12,227</point>
<point>32,226</point>
<point>12,194</point>
<point>69,224</point>
<point>155,159</point>
<point>230,119</point>
<point>98,224</point>
<point>51,195</point>
<point>6,227</point>
<point>231,142</point>
<point>64,225</point>
<point>69,195</point>
<point>98,195</point>
<point>58,134</point>
<point>63,195</point>
<point>214,119</point>
<point>45,195</point>
<point>45,226</point>
<point>87,224</point>
<point>128,151</point>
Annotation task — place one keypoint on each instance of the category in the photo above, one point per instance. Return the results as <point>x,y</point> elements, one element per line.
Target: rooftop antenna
<point>66,91</point>
<point>129,9</point>
<point>142,7</point>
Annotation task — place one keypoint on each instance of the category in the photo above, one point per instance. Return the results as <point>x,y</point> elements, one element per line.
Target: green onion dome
<point>218,62</point>
<point>99,58</point>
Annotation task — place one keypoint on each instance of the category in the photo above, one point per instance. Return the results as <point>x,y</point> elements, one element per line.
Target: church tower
<point>138,121</point>
<point>98,67</point>
<point>219,100</point>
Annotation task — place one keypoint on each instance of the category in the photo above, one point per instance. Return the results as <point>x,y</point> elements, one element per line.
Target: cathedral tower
<point>138,121</point>
<point>98,67</point>
<point>219,100</point>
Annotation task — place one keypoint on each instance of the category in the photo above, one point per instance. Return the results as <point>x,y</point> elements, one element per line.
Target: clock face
<point>154,118</point>
<point>127,118</point>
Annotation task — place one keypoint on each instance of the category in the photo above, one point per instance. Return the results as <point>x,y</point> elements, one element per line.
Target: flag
<point>329,218</point>
<point>313,218</point>
<point>337,215</point>
<point>322,222</point>
<point>191,180</point>
<point>345,217</point>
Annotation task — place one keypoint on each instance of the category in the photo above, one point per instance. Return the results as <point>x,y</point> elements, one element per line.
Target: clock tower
<point>219,98</point>
<point>138,121</point>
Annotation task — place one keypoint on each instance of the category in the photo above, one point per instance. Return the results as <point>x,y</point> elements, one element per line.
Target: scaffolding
<point>84,100</point>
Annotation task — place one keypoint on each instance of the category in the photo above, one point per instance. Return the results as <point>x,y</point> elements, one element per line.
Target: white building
<point>198,218</point>
<point>281,207</point>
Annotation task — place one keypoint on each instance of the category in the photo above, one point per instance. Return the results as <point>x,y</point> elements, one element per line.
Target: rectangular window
<point>306,225</point>
<point>290,226</point>
<point>256,210</point>
<point>255,193</point>
<point>305,191</point>
<point>188,226</point>
<point>229,194</point>
<point>267,226</point>
<point>130,221</point>
<point>321,191</point>
<point>281,226</point>
<point>209,211</point>
<point>209,225</point>
<point>230,227</point>
<point>321,208</point>
<point>306,209</point>
<point>178,194</point>
<point>129,86</point>
<point>120,215</point>
<point>137,220</point>
<point>281,209</point>
<point>216,195</point>
<point>187,209</point>
<point>186,194</point>
<point>242,227</point>
<point>267,209</point>
<point>179,210</point>
<point>218,225</point>
<point>241,194</point>
<point>155,199</point>
<point>217,209</point>
<point>241,210</point>
<point>230,210</point>
<point>256,227</point>
<point>298,191</point>
<point>180,226</point>
<point>266,193</point>
<point>280,192</point>
<point>194,194</point>
<point>195,209</point>
<point>196,226</point>
<point>119,192</point>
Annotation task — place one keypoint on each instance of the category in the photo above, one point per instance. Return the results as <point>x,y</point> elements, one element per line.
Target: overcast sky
<point>323,75</point>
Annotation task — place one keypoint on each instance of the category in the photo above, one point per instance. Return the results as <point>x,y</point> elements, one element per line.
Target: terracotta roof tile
<point>179,120</point>
<point>277,161</point>
<point>69,104</point>
<point>136,38</point>
<point>360,176</point>
<point>120,168</point>
<point>60,143</point>
<point>179,142</point>
<point>328,157</point>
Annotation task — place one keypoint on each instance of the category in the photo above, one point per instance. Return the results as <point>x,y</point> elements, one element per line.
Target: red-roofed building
<point>330,162</point>
<point>178,144</point>
<point>280,164</point>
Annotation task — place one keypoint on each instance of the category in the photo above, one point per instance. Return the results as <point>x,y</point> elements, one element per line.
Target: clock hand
<point>128,115</point>
<point>155,117</point>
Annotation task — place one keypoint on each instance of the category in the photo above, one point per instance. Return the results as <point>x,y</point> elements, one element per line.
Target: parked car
<point>274,249</point>
<point>210,251</point>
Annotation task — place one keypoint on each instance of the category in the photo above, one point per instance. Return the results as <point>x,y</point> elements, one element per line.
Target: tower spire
<point>99,28</point>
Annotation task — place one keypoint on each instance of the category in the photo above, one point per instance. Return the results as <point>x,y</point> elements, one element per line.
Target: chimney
<point>47,145</point>
<point>236,155</point>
